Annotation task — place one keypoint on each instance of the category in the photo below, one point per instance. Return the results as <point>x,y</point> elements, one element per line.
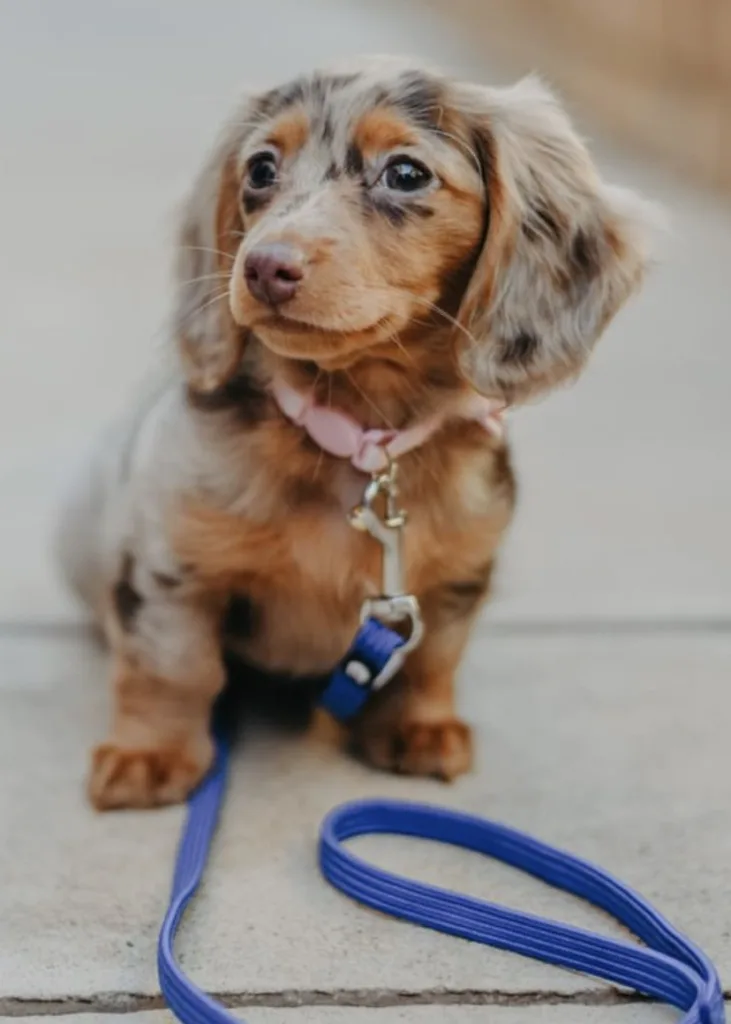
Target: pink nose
<point>273,272</point>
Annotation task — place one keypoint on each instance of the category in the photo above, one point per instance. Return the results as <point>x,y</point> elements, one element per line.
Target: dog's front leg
<point>411,726</point>
<point>166,673</point>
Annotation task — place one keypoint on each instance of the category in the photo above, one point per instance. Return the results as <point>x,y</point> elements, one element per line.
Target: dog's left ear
<point>210,342</point>
<point>562,250</point>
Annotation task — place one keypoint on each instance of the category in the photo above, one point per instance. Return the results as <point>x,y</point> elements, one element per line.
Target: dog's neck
<point>391,387</point>
<point>378,407</point>
<point>373,450</point>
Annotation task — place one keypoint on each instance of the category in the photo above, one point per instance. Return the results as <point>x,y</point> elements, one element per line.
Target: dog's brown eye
<point>405,175</point>
<point>262,171</point>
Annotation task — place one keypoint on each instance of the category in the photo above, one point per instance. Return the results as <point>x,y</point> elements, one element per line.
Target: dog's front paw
<point>125,777</point>
<point>442,750</point>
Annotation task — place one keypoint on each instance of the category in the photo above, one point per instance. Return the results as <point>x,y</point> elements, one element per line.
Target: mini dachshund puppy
<point>382,254</point>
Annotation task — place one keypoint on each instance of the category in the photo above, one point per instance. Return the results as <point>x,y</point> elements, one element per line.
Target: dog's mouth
<point>299,339</point>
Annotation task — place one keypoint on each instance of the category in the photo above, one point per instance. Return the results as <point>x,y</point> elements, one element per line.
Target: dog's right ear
<point>563,250</point>
<point>210,342</point>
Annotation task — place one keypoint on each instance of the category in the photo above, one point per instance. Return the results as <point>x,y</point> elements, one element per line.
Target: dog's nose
<point>273,272</point>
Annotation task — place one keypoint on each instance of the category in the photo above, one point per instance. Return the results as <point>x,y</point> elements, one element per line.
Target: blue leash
<point>670,969</point>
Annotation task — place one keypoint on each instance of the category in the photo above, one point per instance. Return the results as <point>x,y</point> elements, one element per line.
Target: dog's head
<point>348,211</point>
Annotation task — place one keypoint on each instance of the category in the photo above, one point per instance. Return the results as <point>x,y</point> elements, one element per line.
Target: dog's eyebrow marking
<point>127,600</point>
<point>520,349</point>
<point>290,132</point>
<point>381,129</point>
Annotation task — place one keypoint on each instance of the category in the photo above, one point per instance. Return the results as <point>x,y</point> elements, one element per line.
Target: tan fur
<point>307,566</point>
<point>290,133</point>
<point>498,273</point>
<point>159,744</point>
<point>379,131</point>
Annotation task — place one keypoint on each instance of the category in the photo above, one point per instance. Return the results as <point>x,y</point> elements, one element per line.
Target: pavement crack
<point>373,998</point>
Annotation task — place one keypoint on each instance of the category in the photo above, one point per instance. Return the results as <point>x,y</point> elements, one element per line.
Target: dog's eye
<point>406,175</point>
<point>262,171</point>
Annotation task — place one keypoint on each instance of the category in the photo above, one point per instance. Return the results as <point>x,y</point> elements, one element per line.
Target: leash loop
<point>671,969</point>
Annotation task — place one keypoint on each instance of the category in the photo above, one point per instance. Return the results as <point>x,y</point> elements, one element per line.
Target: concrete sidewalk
<point>598,682</point>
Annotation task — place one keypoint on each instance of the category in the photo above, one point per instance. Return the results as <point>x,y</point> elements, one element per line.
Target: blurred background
<point>656,73</point>
<point>108,107</point>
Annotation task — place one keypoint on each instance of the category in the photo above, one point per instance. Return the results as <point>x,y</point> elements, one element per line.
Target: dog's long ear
<point>210,342</point>
<point>562,251</point>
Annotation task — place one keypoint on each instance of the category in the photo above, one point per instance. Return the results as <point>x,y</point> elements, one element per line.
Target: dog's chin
<point>331,349</point>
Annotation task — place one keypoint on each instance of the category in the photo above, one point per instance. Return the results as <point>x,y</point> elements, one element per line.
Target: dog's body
<point>388,243</point>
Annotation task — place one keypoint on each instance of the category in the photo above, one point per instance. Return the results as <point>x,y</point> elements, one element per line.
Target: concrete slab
<point>625,495</point>
<point>446,1014</point>
<point>614,746</point>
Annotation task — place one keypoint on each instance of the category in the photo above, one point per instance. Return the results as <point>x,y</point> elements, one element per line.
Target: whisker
<point>387,292</point>
<point>200,309</point>
<point>205,248</point>
<point>321,453</point>
<point>448,316</point>
<point>417,456</point>
<point>222,275</point>
<point>400,345</point>
<point>366,398</point>
<point>417,391</point>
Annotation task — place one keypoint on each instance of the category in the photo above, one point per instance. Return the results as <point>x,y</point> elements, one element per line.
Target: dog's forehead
<point>333,100</point>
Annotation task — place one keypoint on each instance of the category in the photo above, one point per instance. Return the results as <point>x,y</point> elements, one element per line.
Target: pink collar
<point>370,450</point>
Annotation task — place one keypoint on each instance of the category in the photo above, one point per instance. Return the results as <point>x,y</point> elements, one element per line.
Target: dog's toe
<point>123,777</point>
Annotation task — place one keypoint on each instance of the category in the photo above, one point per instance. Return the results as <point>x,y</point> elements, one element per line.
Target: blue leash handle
<point>671,968</point>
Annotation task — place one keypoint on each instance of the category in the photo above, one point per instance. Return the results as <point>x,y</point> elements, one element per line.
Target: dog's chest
<point>303,584</point>
<point>300,611</point>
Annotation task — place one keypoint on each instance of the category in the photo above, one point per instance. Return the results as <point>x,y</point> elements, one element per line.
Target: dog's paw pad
<point>124,777</point>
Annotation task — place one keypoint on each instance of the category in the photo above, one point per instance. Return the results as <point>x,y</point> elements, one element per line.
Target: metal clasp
<point>393,606</point>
